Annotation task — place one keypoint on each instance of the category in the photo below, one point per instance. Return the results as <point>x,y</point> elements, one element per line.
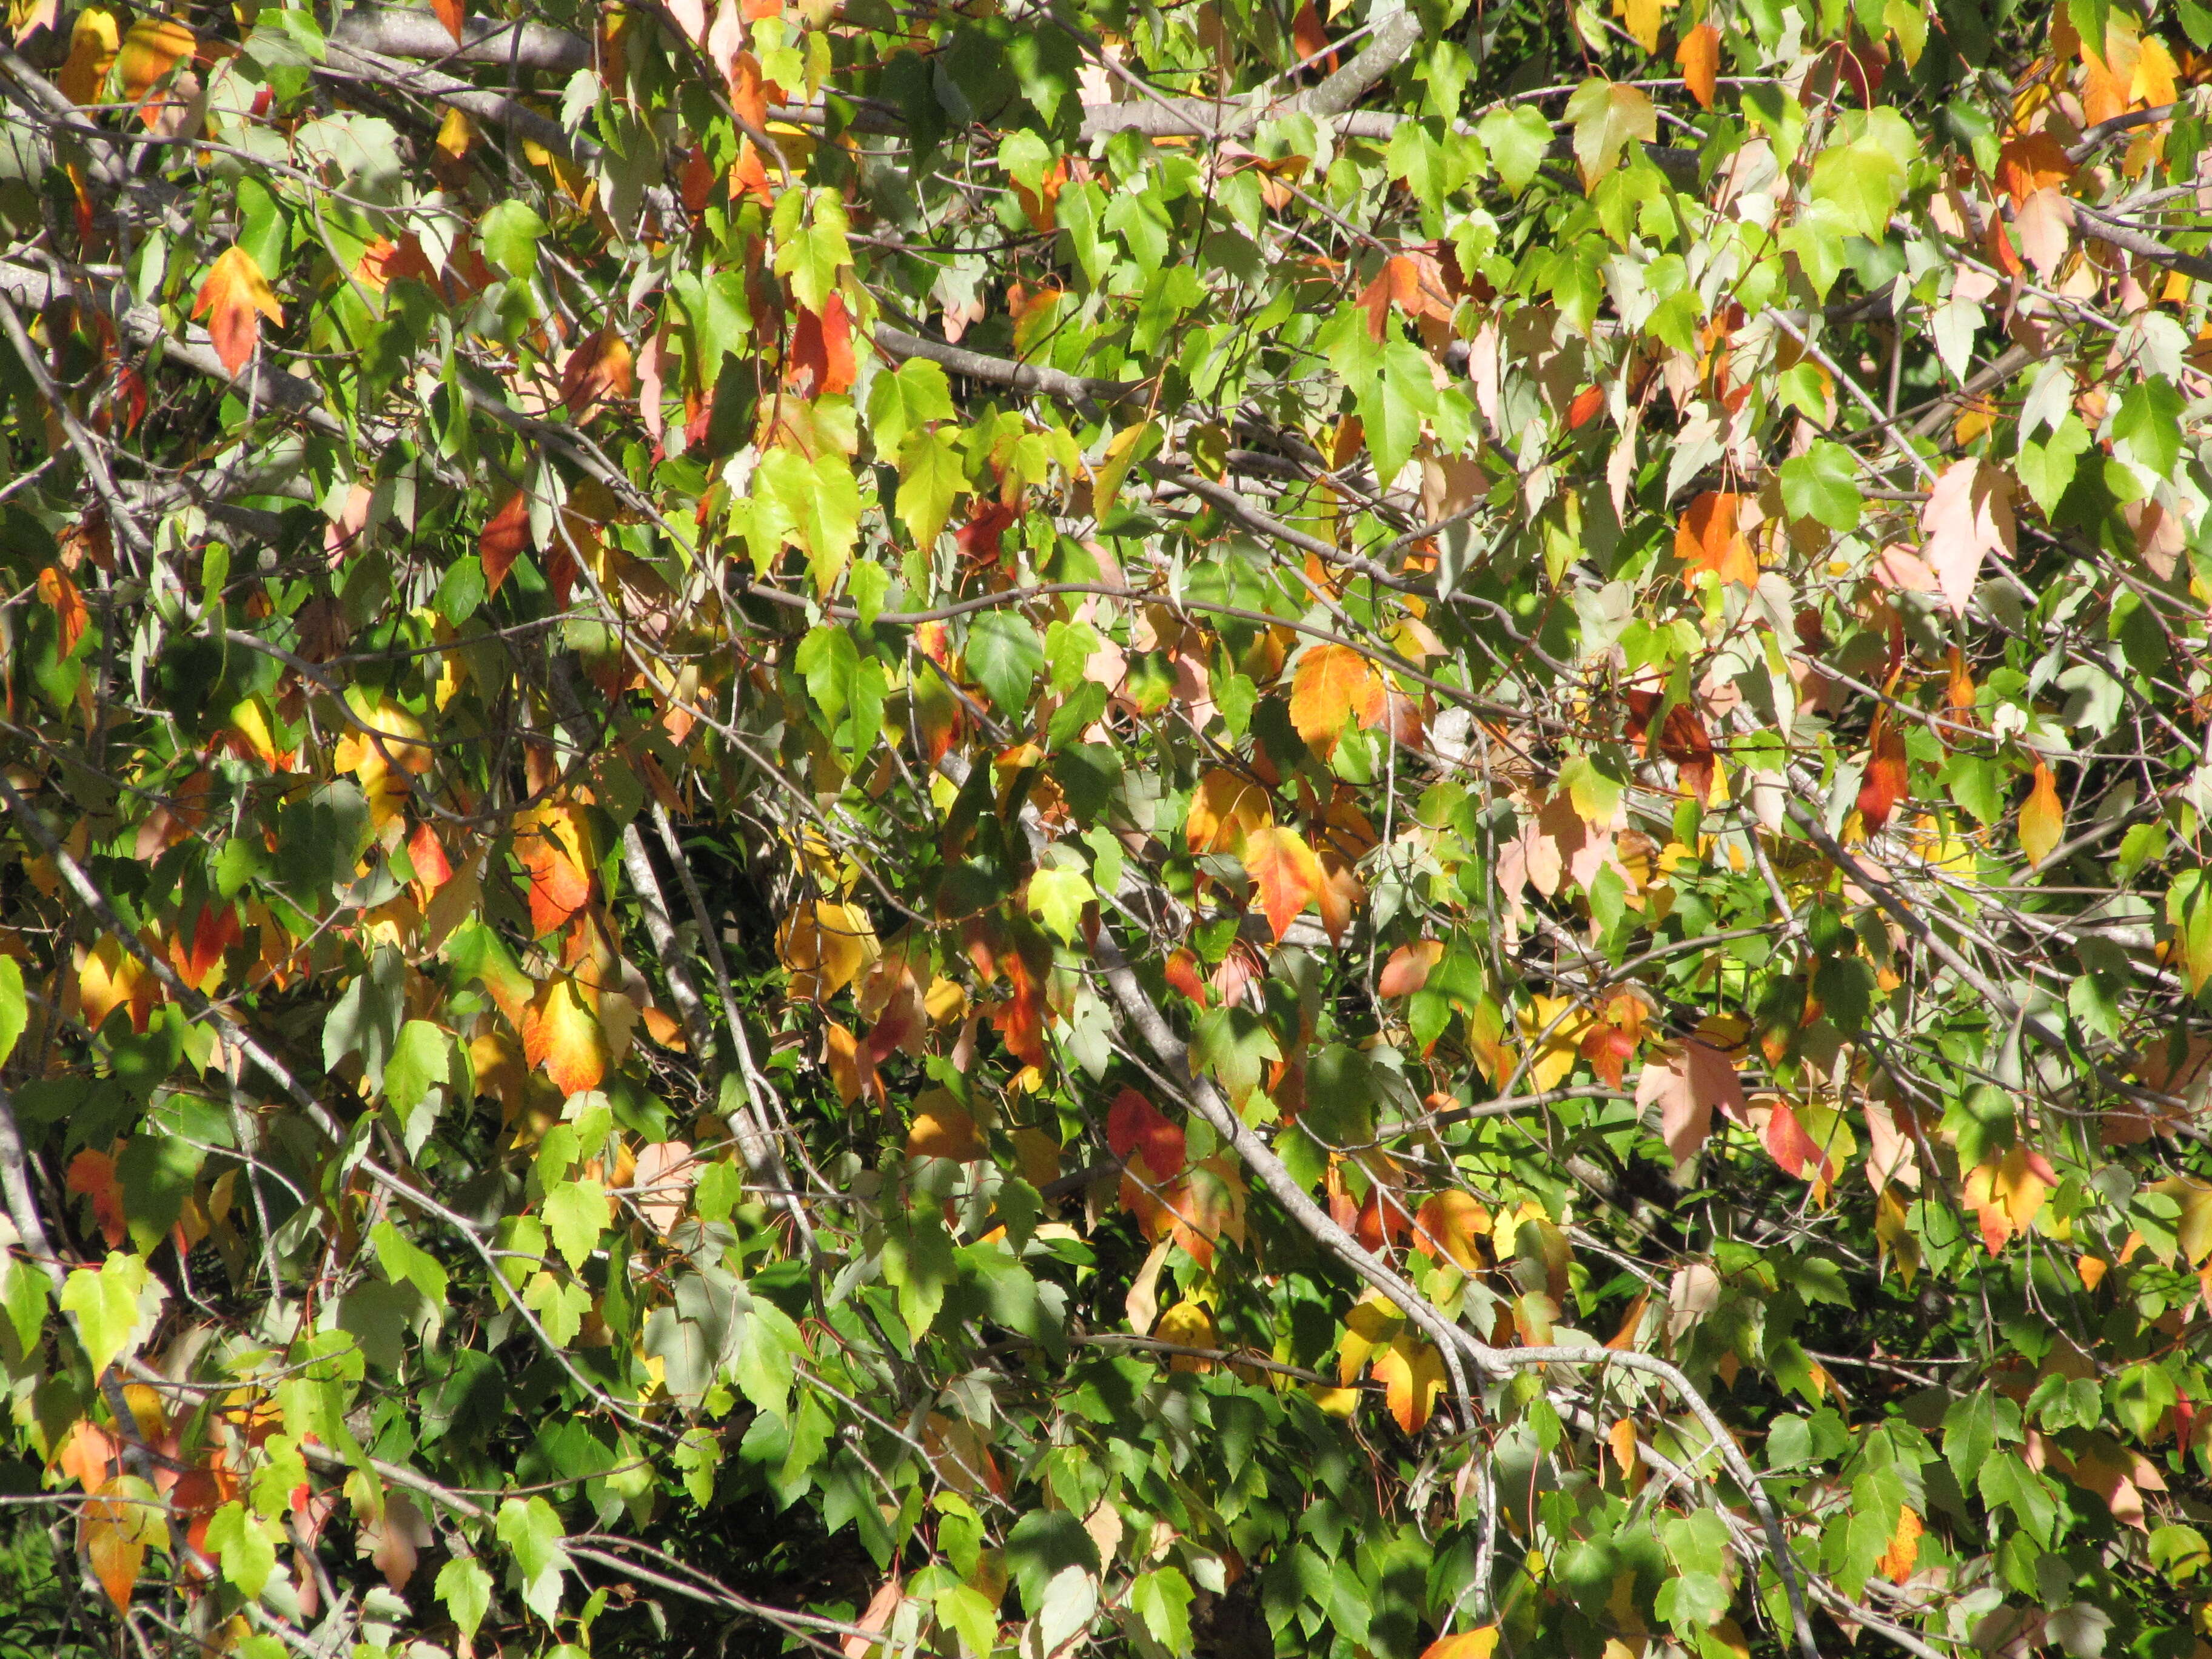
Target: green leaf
<point>905,401</point>
<point>422,1057</point>
<point>967,1612</point>
<point>818,509</point>
<point>1233,1046</point>
<point>1516,140</point>
<point>24,1294</point>
<point>1057,897</point>
<point>1823,484</point>
<point>575,1214</point>
<point>465,1588</point>
<point>1862,183</point>
<point>106,1305</point>
<point>509,233</point>
<point>530,1529</point>
<point>242,1542</point>
<point>14,1010</point>
<point>1161,1599</point>
<point>403,1261</point>
<point>813,257</point>
<point>1004,656</point>
<point>2047,468</point>
<point>2149,425</point>
<point>2004,1481</point>
<point>930,479</point>
<point>1043,1544</point>
<point>1606,117</point>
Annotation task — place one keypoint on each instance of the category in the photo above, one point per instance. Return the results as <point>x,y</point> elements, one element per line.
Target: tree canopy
<point>1048,825</point>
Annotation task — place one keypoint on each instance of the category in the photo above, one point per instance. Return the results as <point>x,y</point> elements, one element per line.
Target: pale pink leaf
<point>665,1174</point>
<point>1968,516</point>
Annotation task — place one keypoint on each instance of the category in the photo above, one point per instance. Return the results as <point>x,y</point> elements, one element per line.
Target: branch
<point>1000,371</point>
<point>2124,235</point>
<point>396,32</point>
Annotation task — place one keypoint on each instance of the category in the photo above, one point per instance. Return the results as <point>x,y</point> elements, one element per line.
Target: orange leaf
<point>1448,1225</point>
<point>505,535</point>
<point>553,844</point>
<point>1309,37</point>
<point>1468,1644</point>
<point>69,607</point>
<point>1887,779</point>
<point>820,361</point>
<point>234,299</point>
<point>600,367</point>
<point>92,1175</point>
<point>150,50</point>
<point>115,1526</point>
<point>213,933</point>
<point>1338,896</point>
<point>1226,808</point>
<point>428,855</point>
<point>450,13</point>
<point>1206,1203</point>
<point>1584,409</point>
<point>1707,538</point>
<point>2030,163</point>
<point>561,1033</point>
<point>1407,971</point>
<point>1333,684</point>
<point>1699,55</point>
<point>1182,974</point>
<point>1904,1552</point>
<point>1285,873</point>
<point>2042,817</point>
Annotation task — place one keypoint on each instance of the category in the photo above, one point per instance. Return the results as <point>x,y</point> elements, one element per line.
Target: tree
<point>1015,828</point>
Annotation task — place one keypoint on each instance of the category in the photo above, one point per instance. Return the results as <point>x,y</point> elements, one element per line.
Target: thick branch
<point>396,33</point>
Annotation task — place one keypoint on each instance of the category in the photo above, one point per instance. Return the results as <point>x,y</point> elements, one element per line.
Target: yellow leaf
<point>1450,1221</point>
<point>1285,873</point>
<point>943,1128</point>
<point>109,978</point>
<point>1113,466</point>
<point>2042,817</point>
<point>121,1520</point>
<point>826,946</point>
<point>1333,684</point>
<point>561,1033</point>
<point>1561,1026</point>
<point>1188,1325</point>
<point>1226,808</point>
<point>1411,1373</point>
<point>1643,18</point>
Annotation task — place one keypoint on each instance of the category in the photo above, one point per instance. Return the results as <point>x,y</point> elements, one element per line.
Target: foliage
<point>1024,826</point>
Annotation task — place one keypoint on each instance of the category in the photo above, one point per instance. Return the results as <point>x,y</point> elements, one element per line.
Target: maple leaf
<point>505,537</point>
<point>1181,971</point>
<point>1699,55</point>
<point>1478,1644</point>
<point>234,298</point>
<point>1208,1204</point>
<point>120,1522</point>
<point>70,614</point>
<point>663,1179</point>
<point>214,932</point>
<point>820,361</point>
<point>450,13</point>
<point>1309,39</point>
<point>1284,870</point>
<point>1968,517</point>
<point>599,367</point>
<point>1188,1325</point>
<point>2007,1195</point>
<point>562,1034</point>
<point>1409,968</point>
<point>1335,684</point>
<point>1904,1552</point>
<point>1887,779</point>
<point>553,843</point>
<point>1584,409</point>
<point>942,1127</point>
<point>2042,817</point>
<point>1448,1226</point>
<point>1339,895</point>
<point>2032,162</point>
<point>1225,808</point>
<point>1412,1375</point>
<point>1687,1085</point>
<point>1135,1129</point>
<point>1706,538</point>
<point>92,1175</point>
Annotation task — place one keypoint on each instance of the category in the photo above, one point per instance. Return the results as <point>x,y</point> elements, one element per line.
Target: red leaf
<point>599,367</point>
<point>1182,974</point>
<point>1887,780</point>
<point>1584,409</point>
<point>1309,39</point>
<point>1137,1128</point>
<point>820,361</point>
<point>503,538</point>
<point>92,1175</point>
<point>978,537</point>
<point>215,932</point>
